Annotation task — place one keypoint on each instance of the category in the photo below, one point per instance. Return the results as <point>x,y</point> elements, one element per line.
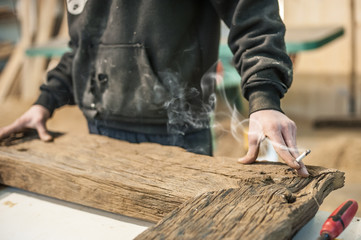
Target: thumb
<point>43,132</point>
<point>252,153</point>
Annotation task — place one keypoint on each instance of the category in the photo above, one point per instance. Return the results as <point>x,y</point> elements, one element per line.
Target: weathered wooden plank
<point>257,209</point>
<point>148,181</point>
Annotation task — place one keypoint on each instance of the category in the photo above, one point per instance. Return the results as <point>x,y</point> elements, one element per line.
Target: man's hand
<point>35,118</point>
<point>281,131</point>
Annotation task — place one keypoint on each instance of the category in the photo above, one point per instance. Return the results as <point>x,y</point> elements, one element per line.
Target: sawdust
<point>9,204</point>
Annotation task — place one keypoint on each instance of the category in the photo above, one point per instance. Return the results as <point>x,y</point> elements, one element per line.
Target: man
<point>142,71</point>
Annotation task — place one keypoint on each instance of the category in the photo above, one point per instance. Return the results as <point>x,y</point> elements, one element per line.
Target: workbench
<point>26,215</point>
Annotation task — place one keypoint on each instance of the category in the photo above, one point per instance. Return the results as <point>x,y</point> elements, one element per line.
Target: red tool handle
<point>339,219</point>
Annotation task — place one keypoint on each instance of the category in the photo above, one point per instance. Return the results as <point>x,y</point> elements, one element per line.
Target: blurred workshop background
<point>323,37</point>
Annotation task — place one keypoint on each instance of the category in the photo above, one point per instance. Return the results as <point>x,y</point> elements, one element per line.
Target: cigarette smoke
<point>189,107</point>
<point>181,117</point>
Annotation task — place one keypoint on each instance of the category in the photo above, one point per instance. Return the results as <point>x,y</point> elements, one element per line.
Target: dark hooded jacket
<point>146,65</point>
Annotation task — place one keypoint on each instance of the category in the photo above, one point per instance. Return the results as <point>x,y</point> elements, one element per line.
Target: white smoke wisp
<point>189,107</point>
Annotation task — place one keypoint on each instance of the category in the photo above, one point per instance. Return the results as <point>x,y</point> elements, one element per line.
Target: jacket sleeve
<point>256,39</point>
<point>58,88</point>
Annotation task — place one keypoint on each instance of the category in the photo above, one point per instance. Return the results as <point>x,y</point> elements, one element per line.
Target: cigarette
<point>303,155</point>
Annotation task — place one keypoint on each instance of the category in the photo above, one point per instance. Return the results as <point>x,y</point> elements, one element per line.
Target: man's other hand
<point>34,118</point>
<point>281,131</point>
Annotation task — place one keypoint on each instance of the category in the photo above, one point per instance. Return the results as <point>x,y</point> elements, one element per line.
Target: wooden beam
<point>256,209</point>
<point>34,73</point>
<point>6,48</point>
<point>198,195</point>
<point>14,64</point>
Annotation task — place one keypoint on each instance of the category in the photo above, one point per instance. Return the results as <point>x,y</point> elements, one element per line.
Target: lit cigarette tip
<point>303,155</point>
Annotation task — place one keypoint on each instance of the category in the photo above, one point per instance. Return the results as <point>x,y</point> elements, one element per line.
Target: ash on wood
<point>194,196</point>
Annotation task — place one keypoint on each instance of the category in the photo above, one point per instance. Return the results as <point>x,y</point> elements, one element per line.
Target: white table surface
<point>29,216</point>
<point>25,215</point>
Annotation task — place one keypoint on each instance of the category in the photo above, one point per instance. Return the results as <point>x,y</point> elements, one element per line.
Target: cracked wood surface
<point>194,196</point>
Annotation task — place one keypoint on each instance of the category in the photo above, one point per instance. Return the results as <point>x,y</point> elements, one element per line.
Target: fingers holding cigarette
<point>303,155</point>
<point>303,170</point>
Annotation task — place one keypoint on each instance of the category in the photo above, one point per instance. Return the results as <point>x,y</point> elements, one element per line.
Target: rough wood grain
<point>257,209</point>
<point>213,197</point>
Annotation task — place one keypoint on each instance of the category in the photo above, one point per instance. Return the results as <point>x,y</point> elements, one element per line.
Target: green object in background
<point>231,79</point>
<point>9,27</point>
<point>55,48</point>
<point>304,39</point>
<point>230,74</point>
<point>46,52</point>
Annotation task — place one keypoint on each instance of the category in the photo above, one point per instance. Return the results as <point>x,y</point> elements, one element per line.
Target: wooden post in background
<point>37,21</point>
<point>12,68</point>
<point>35,67</point>
<point>61,36</point>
